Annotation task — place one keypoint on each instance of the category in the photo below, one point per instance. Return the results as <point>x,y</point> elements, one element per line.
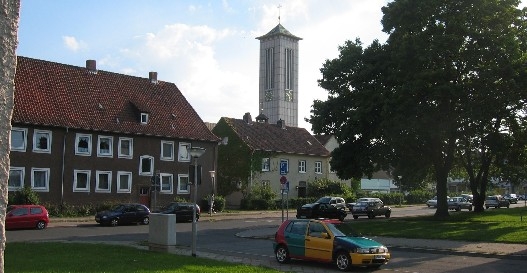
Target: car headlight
<point>104,217</point>
<point>372,250</point>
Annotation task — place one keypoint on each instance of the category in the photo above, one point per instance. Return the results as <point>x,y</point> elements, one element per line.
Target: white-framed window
<point>83,144</point>
<point>183,186</point>
<point>126,147</point>
<point>266,164</point>
<point>144,118</point>
<point>167,185</point>
<point>42,141</point>
<point>284,166</point>
<point>16,178</point>
<point>183,154</point>
<point>18,139</point>
<point>301,166</point>
<point>146,165</point>
<point>124,182</point>
<point>40,179</point>
<point>105,146</point>
<point>81,180</point>
<point>167,150</point>
<point>103,181</point>
<point>318,167</point>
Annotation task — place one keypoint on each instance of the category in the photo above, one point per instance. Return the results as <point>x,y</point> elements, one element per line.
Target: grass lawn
<point>494,225</point>
<point>78,257</point>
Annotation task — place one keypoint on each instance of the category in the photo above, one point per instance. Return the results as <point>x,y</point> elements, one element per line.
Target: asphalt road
<point>220,237</point>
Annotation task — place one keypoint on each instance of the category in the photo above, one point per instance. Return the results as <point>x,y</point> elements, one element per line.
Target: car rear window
<point>297,227</point>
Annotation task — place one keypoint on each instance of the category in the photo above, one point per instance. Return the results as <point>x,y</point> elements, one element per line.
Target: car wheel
<point>458,208</point>
<point>145,221</point>
<point>341,218</point>
<point>114,222</point>
<point>371,216</point>
<point>487,207</point>
<point>470,208</point>
<point>355,217</point>
<point>388,214</point>
<point>41,225</point>
<point>282,254</point>
<point>508,205</point>
<point>343,261</point>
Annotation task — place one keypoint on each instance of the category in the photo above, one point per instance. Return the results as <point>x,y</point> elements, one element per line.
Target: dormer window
<point>144,118</point>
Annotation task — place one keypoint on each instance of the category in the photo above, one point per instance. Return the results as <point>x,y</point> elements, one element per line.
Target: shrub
<point>326,187</point>
<point>24,196</point>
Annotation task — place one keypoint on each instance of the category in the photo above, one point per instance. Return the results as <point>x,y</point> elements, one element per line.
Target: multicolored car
<point>329,241</point>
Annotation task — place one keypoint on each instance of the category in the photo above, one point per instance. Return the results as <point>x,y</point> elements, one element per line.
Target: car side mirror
<point>325,235</point>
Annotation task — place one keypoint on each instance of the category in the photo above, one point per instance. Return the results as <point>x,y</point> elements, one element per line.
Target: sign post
<point>284,189</point>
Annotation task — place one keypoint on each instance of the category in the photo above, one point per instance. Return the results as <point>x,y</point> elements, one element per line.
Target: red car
<point>26,216</point>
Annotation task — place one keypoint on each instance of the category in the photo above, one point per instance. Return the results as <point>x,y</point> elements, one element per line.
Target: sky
<point>207,48</point>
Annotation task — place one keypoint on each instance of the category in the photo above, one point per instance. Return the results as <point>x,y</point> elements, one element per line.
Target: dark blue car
<point>124,214</point>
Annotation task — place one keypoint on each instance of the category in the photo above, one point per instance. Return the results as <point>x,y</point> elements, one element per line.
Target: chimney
<point>281,123</point>
<point>247,118</point>
<point>153,77</point>
<point>91,65</point>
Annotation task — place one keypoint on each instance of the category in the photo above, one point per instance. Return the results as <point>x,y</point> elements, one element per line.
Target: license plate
<point>378,257</point>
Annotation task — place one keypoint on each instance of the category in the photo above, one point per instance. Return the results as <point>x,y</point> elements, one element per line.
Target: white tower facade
<point>278,85</point>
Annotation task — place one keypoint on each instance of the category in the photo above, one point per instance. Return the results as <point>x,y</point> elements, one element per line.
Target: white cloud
<point>72,44</point>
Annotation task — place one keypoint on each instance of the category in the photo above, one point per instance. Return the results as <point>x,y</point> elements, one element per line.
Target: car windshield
<point>362,204</point>
<point>324,200</point>
<point>343,229</point>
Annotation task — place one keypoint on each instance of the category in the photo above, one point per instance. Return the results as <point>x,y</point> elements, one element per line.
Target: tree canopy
<point>447,88</point>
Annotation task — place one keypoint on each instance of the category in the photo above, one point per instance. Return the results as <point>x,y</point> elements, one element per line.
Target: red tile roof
<point>271,137</point>
<point>59,95</point>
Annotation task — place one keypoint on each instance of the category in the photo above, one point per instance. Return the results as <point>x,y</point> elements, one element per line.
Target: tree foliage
<point>446,89</point>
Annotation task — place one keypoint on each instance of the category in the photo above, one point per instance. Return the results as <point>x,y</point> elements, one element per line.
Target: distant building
<point>86,136</point>
<point>261,153</point>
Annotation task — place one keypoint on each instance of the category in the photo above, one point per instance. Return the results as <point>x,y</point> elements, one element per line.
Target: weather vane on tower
<point>279,6</point>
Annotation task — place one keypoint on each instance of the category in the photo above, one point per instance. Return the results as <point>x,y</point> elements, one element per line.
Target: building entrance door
<point>144,196</point>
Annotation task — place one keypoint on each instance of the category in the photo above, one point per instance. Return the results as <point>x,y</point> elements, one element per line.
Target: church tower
<point>278,85</point>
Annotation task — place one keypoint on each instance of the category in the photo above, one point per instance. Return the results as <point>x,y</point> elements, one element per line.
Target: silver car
<point>458,203</point>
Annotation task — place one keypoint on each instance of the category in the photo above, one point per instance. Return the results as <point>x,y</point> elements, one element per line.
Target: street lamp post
<point>212,176</point>
<point>195,152</point>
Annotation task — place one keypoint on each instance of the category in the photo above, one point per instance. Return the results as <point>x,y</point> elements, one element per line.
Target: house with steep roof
<point>86,136</point>
<point>261,153</point>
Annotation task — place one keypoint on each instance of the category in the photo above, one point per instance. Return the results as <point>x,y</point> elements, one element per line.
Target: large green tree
<point>446,89</point>
<point>9,14</point>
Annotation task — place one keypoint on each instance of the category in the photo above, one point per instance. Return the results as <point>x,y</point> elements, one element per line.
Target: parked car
<point>432,203</point>
<point>335,201</point>
<point>496,201</point>
<point>124,214</point>
<point>327,241</point>
<point>511,197</point>
<point>458,203</point>
<point>350,205</point>
<point>182,210</point>
<point>469,197</point>
<point>320,210</point>
<point>371,209</point>
<point>26,216</point>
